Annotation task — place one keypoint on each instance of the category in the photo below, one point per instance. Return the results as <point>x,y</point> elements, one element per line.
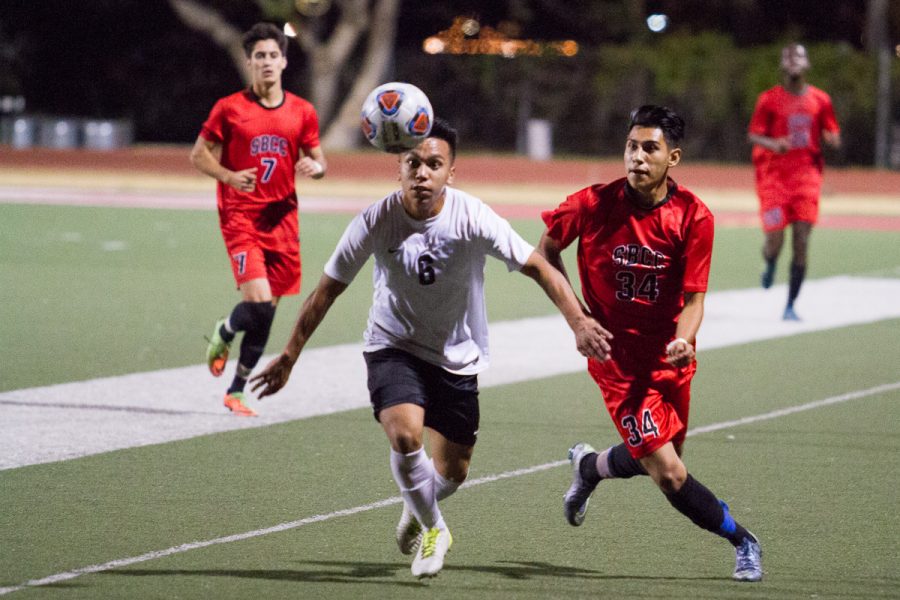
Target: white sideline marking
<point>237,537</point>
<point>70,420</point>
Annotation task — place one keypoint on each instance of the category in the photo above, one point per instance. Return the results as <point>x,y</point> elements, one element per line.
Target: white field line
<point>237,537</point>
<point>65,421</point>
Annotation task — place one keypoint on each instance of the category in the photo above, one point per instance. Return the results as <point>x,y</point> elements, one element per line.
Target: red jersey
<point>635,264</point>
<point>802,119</point>
<point>271,139</point>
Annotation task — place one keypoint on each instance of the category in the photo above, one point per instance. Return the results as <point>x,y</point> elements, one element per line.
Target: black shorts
<point>450,401</point>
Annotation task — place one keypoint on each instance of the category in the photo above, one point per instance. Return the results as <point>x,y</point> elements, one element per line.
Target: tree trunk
<point>343,133</point>
<point>211,23</point>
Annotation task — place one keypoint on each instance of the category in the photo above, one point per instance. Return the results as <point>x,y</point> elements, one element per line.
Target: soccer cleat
<point>217,351</point>
<point>434,547</point>
<point>235,403</point>
<point>748,560</point>
<point>409,531</point>
<point>575,500</point>
<point>789,314</point>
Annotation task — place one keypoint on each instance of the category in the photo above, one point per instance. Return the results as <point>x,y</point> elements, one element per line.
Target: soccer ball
<point>396,117</point>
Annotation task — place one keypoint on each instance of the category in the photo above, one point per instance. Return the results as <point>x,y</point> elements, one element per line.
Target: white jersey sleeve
<point>352,251</point>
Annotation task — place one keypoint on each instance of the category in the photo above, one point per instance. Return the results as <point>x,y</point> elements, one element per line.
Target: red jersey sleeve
<point>564,222</point>
<point>213,129</point>
<point>829,120</point>
<point>310,130</point>
<point>698,250</point>
<point>762,116</point>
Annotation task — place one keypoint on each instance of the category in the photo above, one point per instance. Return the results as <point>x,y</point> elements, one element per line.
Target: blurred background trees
<point>162,63</point>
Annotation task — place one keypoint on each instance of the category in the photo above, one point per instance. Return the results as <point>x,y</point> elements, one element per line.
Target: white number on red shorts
<point>241,259</point>
<point>637,434</point>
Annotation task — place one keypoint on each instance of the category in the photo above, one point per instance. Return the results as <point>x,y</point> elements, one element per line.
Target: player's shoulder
<point>599,192</point>
<point>818,93</point>
<point>293,100</point>
<point>691,201</point>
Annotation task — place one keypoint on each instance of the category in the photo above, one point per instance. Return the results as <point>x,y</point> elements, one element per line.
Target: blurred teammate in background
<point>427,337</point>
<point>255,143</point>
<point>644,250</point>
<point>788,125</point>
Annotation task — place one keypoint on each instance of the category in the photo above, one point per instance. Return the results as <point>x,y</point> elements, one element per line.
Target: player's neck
<point>651,196</point>
<point>269,95</point>
<point>795,85</point>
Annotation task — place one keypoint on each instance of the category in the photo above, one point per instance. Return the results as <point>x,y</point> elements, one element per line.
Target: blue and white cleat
<point>748,560</point>
<point>789,314</point>
<point>575,500</point>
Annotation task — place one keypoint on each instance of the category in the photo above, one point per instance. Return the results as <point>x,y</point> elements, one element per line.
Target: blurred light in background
<point>289,30</point>
<point>312,8</point>
<point>468,36</point>
<point>471,27</point>
<point>657,22</point>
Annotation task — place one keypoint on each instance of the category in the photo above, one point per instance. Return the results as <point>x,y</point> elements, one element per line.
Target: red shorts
<point>649,410</point>
<point>786,197</point>
<point>263,242</point>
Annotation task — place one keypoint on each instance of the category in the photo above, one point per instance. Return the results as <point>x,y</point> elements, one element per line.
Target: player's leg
<point>452,418</point>
<point>695,501</point>
<point>771,198</point>
<point>800,234</point>
<point>253,316</point>
<point>397,390</point>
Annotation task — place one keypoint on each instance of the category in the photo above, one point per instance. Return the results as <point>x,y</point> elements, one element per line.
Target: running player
<point>427,338</point>
<point>254,143</point>
<point>788,124</point>
<point>644,248</point>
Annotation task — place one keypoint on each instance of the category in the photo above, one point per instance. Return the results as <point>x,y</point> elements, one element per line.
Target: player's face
<point>648,158</point>
<point>266,63</point>
<point>424,173</point>
<point>794,61</point>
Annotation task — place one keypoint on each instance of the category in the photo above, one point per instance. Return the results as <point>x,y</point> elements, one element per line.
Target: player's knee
<point>405,441</point>
<point>671,478</point>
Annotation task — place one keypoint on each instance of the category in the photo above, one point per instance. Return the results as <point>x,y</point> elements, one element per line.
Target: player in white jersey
<point>426,338</point>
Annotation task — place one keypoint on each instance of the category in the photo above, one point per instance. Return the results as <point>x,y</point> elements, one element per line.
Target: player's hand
<point>243,181</point>
<point>592,340</point>
<point>781,145</point>
<point>308,167</point>
<point>273,377</point>
<point>679,353</point>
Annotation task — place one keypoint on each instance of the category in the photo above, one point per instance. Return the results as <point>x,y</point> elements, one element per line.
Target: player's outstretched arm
<point>315,307</point>
<point>591,339</point>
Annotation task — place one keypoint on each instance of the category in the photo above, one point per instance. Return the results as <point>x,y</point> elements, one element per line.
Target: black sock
<point>588,469</point>
<point>240,319</point>
<point>256,320</point>
<point>622,465</point>
<point>702,507</point>
<point>798,273</point>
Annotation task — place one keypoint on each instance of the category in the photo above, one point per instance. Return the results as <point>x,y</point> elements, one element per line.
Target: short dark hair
<point>442,130</point>
<point>264,31</point>
<point>651,115</point>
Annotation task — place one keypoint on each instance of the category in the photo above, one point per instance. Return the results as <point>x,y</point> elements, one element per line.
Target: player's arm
<point>590,338</point>
<point>204,157</point>
<point>313,163</point>
<point>777,145</point>
<point>315,307</point>
<point>832,139</point>
<point>680,351</point>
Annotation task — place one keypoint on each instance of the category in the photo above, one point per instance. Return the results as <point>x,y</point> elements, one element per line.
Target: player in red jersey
<point>644,248</point>
<point>788,125</point>
<point>254,143</point>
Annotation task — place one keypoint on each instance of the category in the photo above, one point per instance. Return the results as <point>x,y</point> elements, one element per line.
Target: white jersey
<point>429,276</point>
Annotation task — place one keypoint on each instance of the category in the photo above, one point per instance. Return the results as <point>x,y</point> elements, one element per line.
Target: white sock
<point>414,475</point>
<point>443,487</point>
<point>603,464</point>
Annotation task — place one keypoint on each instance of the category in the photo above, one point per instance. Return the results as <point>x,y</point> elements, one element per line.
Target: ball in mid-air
<point>396,117</point>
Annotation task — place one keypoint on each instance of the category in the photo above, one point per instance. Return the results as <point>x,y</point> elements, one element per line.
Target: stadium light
<point>657,22</point>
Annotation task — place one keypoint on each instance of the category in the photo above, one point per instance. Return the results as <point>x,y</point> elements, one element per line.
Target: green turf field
<point>94,292</point>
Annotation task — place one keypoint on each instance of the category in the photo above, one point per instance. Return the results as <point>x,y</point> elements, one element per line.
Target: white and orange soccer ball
<point>396,116</point>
